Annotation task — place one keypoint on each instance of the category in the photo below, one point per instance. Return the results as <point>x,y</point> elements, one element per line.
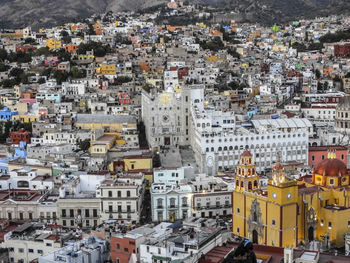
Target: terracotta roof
<point>246,153</point>
<point>331,167</point>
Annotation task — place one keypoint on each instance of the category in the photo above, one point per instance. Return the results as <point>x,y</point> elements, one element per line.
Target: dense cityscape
<point>168,136</point>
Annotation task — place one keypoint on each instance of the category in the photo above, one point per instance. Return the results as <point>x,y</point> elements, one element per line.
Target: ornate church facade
<point>291,212</point>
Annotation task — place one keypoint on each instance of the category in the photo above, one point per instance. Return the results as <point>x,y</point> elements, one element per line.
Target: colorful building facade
<point>290,212</point>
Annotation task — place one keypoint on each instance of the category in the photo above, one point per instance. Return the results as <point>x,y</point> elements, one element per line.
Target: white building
<point>170,202</point>
<point>218,143</point>
<point>166,117</point>
<point>89,250</point>
<point>121,198</point>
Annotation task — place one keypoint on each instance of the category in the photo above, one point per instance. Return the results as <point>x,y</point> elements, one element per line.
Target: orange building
<point>122,247</point>
<point>98,29</point>
<point>319,153</point>
<point>71,48</point>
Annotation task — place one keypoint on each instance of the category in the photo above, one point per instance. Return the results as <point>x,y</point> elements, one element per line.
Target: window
<point>30,250</point>
<point>238,210</point>
<point>126,249</point>
<point>330,225</point>
<point>64,222</point>
<point>128,193</point>
<point>20,250</point>
<point>48,244</point>
<point>118,246</point>
<point>348,223</point>
<point>94,212</point>
<point>237,229</point>
<point>71,212</point>
<point>273,222</point>
<point>119,193</point>
<point>40,251</point>
<point>313,157</point>
<point>331,181</point>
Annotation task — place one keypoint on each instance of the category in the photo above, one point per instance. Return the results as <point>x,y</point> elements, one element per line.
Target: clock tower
<point>282,203</point>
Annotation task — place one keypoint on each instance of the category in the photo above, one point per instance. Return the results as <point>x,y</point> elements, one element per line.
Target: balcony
<point>119,211</point>
<point>213,206</point>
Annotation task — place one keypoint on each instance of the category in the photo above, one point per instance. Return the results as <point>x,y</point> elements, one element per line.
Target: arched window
<point>250,186</point>
<point>255,183</point>
<point>159,203</point>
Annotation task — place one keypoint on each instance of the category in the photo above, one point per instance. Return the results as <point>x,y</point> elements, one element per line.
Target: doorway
<point>255,237</point>
<point>311,234</point>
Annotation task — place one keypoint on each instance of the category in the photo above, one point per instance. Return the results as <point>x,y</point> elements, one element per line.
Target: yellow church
<point>290,212</point>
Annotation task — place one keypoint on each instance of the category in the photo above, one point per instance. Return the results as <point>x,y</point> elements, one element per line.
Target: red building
<point>122,247</point>
<point>25,48</point>
<point>20,135</point>
<point>320,153</point>
<point>342,50</point>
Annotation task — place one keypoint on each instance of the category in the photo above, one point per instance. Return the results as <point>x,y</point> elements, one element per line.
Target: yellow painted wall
<point>25,118</point>
<point>137,164</point>
<point>53,43</point>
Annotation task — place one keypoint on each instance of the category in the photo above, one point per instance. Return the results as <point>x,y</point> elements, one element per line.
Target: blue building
<point>6,114</point>
<point>21,151</point>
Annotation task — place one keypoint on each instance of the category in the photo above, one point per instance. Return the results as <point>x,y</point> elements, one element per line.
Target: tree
<point>42,51</point>
<point>41,81</point>
<point>317,73</point>
<point>60,76</point>
<point>3,54</point>
<point>16,72</point>
<point>29,40</point>
<point>62,54</point>
<point>84,145</point>
<point>77,73</point>
<point>46,72</point>
<point>3,67</point>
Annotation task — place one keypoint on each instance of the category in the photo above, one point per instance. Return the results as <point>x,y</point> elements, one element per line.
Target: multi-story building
<point>19,136</point>
<point>170,202</point>
<point>91,249</point>
<point>218,143</point>
<point>188,244</point>
<point>121,198</point>
<point>166,117</point>
<point>211,197</point>
<point>80,189</point>
<point>28,242</point>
